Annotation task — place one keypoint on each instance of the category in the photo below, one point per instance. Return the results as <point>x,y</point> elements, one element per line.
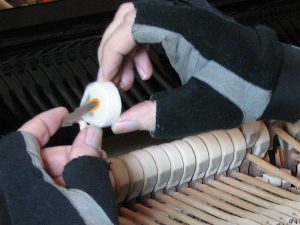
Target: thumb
<point>87,143</point>
<point>139,117</point>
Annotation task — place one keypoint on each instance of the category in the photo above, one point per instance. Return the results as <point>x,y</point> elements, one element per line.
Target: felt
<point>190,109</point>
<point>90,174</point>
<point>285,101</point>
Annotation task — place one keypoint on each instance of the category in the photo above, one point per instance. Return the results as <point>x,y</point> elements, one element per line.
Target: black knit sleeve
<point>228,71</point>
<point>30,197</point>
<point>90,174</point>
<point>285,101</point>
<point>4,216</point>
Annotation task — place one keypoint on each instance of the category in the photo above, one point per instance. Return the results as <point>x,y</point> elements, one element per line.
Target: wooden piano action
<point>219,177</point>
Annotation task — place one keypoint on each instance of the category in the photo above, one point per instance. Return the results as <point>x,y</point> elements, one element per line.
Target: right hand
<point>228,71</point>
<point>118,54</point>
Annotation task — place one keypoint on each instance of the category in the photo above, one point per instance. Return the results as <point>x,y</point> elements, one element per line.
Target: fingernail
<point>93,137</point>
<point>141,73</point>
<point>122,85</point>
<point>125,126</point>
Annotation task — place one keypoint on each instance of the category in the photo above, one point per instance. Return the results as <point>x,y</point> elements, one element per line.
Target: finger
<point>87,143</point>
<point>116,47</point>
<point>119,16</point>
<point>44,125</point>
<point>124,9</point>
<point>126,75</point>
<point>143,63</point>
<point>117,80</point>
<point>55,159</point>
<point>59,181</point>
<point>139,117</point>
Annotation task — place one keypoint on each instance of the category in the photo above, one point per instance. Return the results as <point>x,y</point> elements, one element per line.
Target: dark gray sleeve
<point>31,195</point>
<point>285,101</point>
<point>43,203</point>
<point>90,174</point>
<point>4,216</point>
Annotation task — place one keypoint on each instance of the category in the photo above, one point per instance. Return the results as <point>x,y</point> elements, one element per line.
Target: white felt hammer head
<point>108,104</point>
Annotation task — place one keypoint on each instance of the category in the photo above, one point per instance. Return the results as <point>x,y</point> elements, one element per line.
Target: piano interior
<point>247,175</point>
<point>220,177</point>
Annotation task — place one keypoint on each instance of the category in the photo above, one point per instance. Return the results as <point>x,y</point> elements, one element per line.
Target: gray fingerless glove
<point>33,198</point>
<point>228,71</point>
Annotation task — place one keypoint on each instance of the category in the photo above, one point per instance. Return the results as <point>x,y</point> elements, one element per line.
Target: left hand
<point>118,55</point>
<point>43,126</point>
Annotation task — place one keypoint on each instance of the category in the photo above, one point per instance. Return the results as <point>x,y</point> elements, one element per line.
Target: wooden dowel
<point>260,219</point>
<point>258,192</point>
<point>225,196</point>
<point>177,199</point>
<point>136,217</point>
<point>242,203</point>
<point>273,170</point>
<point>152,213</point>
<point>287,138</point>
<point>266,186</point>
<point>219,214</point>
<point>125,221</point>
<point>172,212</point>
<point>251,198</point>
